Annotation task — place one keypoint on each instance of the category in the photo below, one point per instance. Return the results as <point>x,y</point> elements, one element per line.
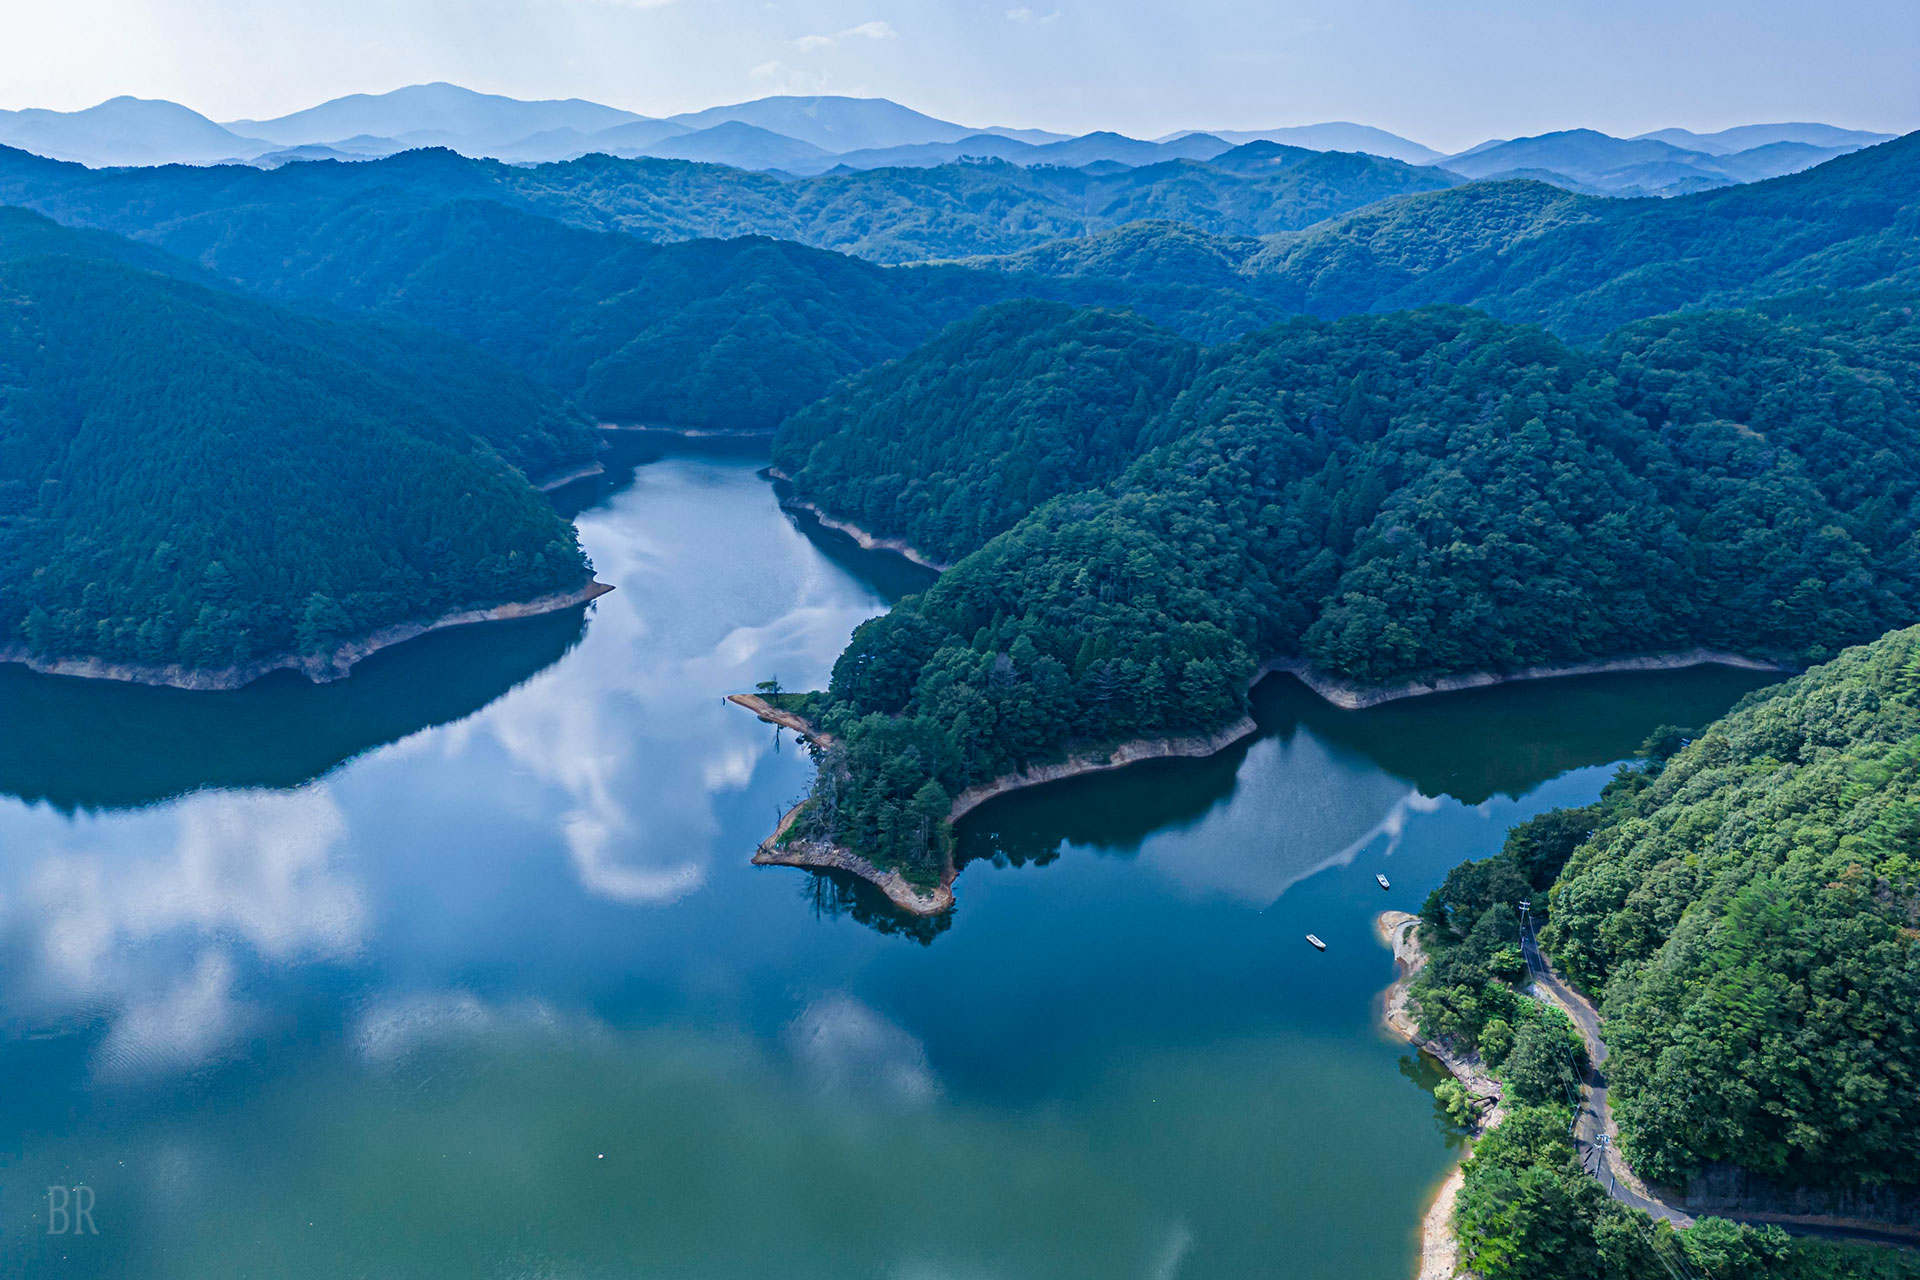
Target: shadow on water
<point>102,744</point>
<point>885,573</point>
<point>1508,739</point>
<point>832,895</point>
<point>1470,746</point>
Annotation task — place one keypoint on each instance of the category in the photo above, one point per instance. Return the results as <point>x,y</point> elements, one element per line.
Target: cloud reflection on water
<point>146,935</point>
<point>1297,807</point>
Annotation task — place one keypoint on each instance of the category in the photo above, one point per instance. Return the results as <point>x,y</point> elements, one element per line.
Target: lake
<point>458,967</point>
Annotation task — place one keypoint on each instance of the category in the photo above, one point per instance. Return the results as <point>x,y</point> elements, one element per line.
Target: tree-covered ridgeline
<point>1387,498</point>
<point>190,477</point>
<point>1747,897</point>
<point>891,216</point>
<point>1008,408</point>
<point>1752,920</point>
<point>730,335</point>
<point>548,268</point>
<point>1528,252</point>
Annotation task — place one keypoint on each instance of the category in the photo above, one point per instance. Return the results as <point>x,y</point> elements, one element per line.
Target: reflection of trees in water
<point>102,744</point>
<point>833,894</point>
<point>1471,746</point>
<point>1111,812</point>
<point>1427,1073</point>
<point>1508,739</point>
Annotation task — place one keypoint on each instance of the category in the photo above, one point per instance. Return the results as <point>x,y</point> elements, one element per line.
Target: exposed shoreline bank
<point>818,855</point>
<point>321,668</point>
<point>687,433</point>
<point>1172,747</point>
<point>867,541</point>
<point>1352,697</point>
<point>595,468</point>
<point>1439,1251</point>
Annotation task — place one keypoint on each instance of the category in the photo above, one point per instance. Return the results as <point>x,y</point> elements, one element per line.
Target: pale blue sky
<point>1446,74</point>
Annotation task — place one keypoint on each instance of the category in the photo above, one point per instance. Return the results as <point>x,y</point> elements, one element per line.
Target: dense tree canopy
<point>1748,896</point>
<point>190,477</point>
<point>987,421</point>
<point>1753,918</point>
<point>884,215</point>
<point>1389,498</point>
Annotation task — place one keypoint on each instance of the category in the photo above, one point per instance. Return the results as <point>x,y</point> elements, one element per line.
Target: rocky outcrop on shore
<point>317,667</point>
<point>819,855</point>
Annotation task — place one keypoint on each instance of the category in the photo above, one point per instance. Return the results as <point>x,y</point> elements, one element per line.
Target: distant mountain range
<point>814,135</point>
<point>1656,164</point>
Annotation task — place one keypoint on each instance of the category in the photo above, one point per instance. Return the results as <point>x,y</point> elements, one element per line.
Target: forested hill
<point>885,215</point>
<point>732,334</point>
<point>1749,904</point>
<point>1525,251</point>
<point>1388,498</point>
<point>955,443</point>
<point>742,333</point>
<point>1753,917</point>
<point>191,477</point>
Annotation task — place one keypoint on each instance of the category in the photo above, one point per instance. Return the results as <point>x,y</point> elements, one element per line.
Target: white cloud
<point>1026,17</point>
<point>865,31</point>
<point>151,941</point>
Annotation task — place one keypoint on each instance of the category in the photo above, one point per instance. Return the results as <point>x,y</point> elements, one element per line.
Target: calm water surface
<point>458,968</point>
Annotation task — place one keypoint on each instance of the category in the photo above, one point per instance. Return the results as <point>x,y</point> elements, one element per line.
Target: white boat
<point>1317,944</point>
<point>1382,879</point>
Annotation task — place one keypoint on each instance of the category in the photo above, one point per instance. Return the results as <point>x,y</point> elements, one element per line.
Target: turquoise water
<point>458,967</point>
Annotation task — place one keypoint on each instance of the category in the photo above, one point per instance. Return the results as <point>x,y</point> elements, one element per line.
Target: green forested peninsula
<point>189,477</point>
<point>1387,498</point>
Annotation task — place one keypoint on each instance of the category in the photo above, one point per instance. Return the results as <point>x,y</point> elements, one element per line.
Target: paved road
<point>1595,1122</point>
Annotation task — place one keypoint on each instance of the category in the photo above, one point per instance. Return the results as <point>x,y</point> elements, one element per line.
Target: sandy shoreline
<point>1439,1251</point>
<point>317,667</point>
